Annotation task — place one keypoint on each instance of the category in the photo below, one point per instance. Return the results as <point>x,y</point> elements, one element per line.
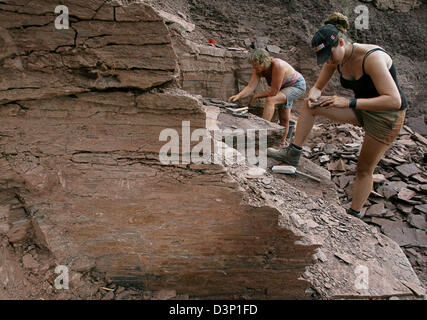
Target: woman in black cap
<point>379,104</point>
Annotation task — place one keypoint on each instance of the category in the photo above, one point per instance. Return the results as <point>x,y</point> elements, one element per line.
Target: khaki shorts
<point>383,126</point>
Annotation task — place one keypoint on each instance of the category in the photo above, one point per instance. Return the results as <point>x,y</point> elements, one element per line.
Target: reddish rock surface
<point>81,184</point>
<point>80,127</point>
<point>396,25</point>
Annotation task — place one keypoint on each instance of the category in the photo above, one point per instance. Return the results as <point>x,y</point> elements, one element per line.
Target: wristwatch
<point>353,103</point>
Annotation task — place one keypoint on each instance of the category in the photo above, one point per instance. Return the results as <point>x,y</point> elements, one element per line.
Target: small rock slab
<point>376,210</point>
<point>408,170</point>
<point>418,221</point>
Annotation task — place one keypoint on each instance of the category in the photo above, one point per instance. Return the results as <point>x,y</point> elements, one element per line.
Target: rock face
<point>398,26</point>
<point>398,5</point>
<point>81,115</point>
<point>208,70</point>
<point>98,54</point>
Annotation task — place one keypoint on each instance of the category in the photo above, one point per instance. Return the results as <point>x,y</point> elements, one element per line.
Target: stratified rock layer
<point>81,114</point>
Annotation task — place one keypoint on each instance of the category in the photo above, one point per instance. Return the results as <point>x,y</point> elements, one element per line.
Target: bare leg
<point>307,116</point>
<point>370,155</point>
<point>284,116</point>
<point>270,103</point>
<point>304,125</point>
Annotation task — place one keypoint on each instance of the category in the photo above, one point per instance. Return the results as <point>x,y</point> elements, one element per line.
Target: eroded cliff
<point>82,186</point>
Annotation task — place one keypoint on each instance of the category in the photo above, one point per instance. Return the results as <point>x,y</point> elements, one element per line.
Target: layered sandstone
<point>80,118</point>
<point>81,115</point>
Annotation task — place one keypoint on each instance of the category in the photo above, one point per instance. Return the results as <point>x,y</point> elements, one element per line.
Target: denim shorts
<point>293,92</point>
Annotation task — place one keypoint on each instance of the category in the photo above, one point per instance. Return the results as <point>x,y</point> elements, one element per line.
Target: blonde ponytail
<point>339,20</point>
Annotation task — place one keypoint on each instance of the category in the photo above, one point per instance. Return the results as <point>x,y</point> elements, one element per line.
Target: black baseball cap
<point>322,42</point>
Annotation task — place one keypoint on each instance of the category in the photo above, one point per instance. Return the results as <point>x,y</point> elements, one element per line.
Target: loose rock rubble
<point>397,205</point>
<point>344,243</point>
<point>313,213</point>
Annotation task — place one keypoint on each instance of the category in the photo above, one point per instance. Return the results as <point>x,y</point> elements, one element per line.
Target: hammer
<point>292,170</point>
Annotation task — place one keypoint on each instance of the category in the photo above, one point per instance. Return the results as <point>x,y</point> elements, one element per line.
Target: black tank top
<point>365,88</point>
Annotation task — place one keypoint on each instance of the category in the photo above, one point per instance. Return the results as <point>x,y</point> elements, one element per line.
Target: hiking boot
<point>354,213</point>
<point>290,155</point>
<point>283,144</point>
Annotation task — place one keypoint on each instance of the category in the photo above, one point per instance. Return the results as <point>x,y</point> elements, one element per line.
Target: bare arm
<point>278,74</point>
<point>323,79</point>
<point>389,96</point>
<point>325,75</point>
<point>253,83</point>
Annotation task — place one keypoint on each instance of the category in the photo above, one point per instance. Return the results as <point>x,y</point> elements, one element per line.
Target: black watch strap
<point>353,103</point>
